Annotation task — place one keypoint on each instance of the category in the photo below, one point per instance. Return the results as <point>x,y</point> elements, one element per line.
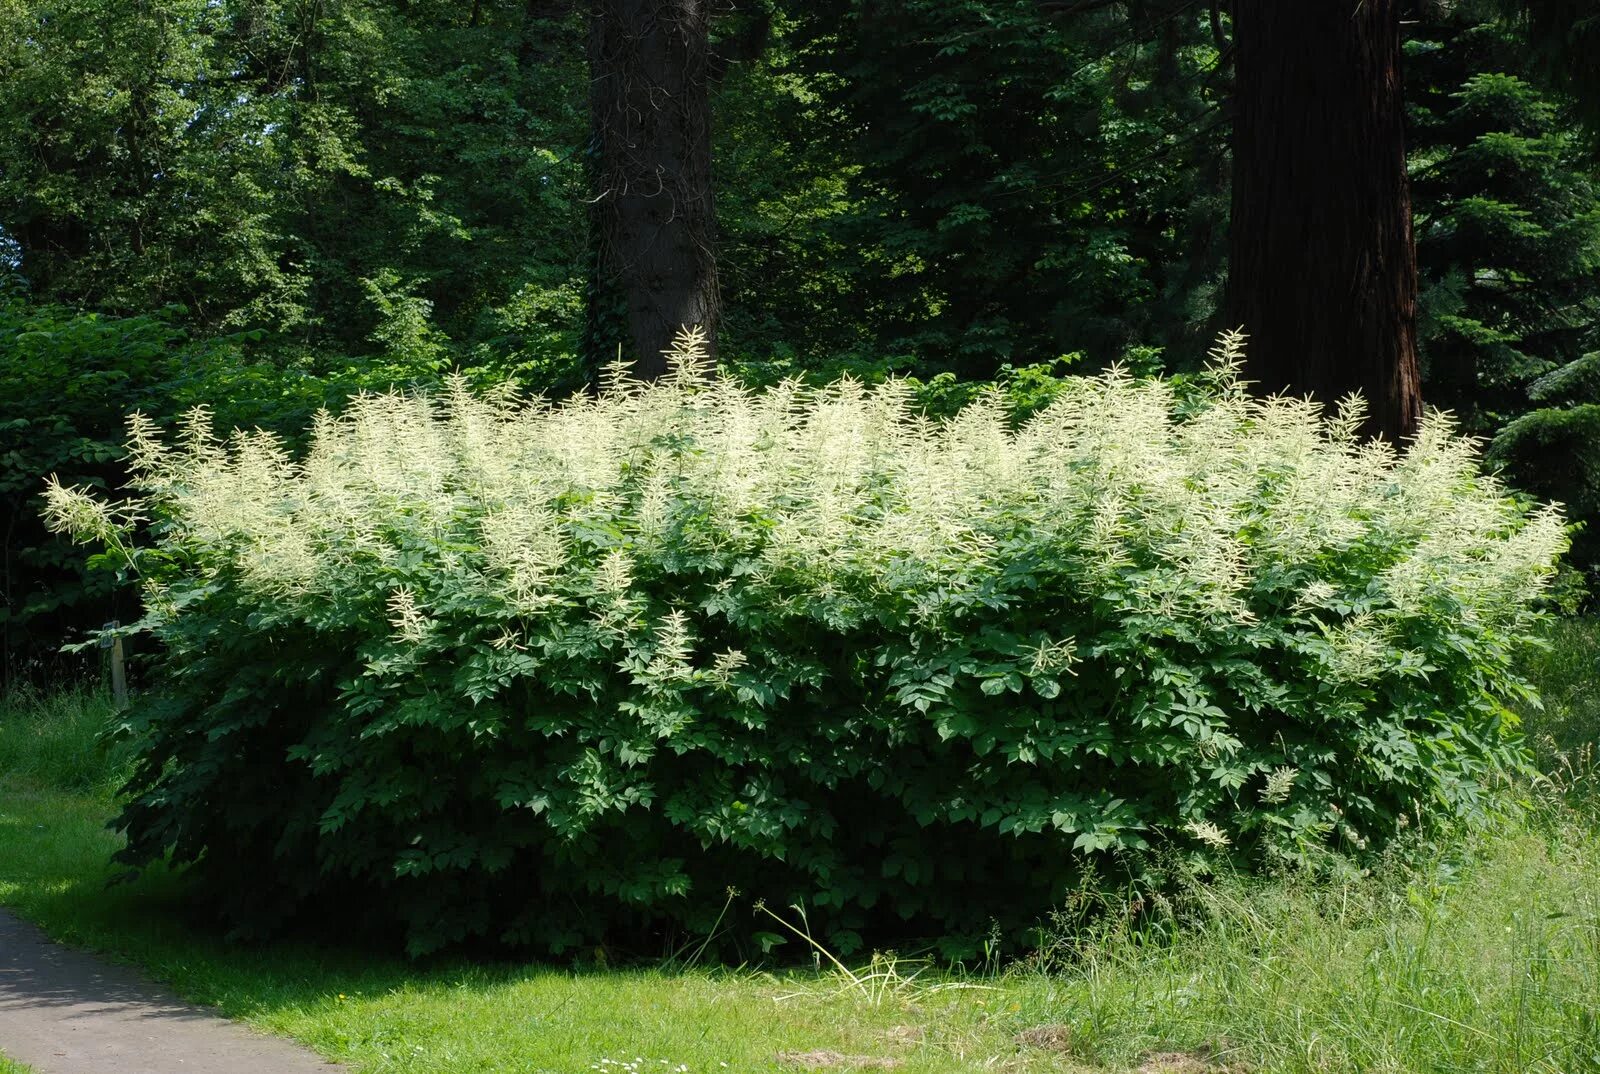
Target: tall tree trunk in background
<point>652,219</point>
<point>1322,270</point>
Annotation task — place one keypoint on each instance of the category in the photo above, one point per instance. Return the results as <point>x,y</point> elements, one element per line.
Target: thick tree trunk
<point>653,220</point>
<point>1322,270</point>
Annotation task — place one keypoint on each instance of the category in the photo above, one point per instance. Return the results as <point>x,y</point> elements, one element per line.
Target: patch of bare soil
<point>1195,1061</point>
<point>1051,1038</point>
<point>823,1059</point>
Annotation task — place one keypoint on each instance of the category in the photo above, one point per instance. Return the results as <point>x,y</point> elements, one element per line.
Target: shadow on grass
<point>56,871</point>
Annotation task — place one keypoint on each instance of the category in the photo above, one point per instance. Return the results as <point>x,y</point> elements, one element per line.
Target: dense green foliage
<point>295,168</point>
<point>1025,182</point>
<point>67,381</point>
<point>1508,237</point>
<point>556,675</point>
<point>70,379</point>
<point>299,199</point>
<point>1476,955</point>
<point>898,649</point>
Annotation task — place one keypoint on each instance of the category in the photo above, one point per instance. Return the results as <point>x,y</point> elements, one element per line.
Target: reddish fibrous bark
<point>1322,268</point>
<point>653,216</point>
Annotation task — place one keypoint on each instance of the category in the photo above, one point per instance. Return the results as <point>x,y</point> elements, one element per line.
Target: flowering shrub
<point>486,667</point>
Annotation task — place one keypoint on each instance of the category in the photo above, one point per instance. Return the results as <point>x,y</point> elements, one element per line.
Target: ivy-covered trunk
<point>1322,270</point>
<point>652,220</point>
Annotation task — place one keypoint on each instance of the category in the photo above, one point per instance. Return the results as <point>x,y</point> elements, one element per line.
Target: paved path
<point>63,1011</point>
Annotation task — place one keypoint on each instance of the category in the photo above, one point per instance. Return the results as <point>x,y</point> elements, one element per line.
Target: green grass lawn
<point>1482,957</point>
